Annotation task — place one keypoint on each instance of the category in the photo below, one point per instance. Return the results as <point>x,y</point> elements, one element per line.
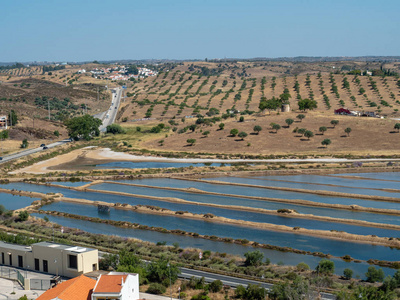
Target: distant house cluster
<point>119,73</point>
<point>355,113</point>
<point>3,122</point>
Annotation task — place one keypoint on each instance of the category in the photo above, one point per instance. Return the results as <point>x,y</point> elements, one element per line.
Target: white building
<point>118,286</point>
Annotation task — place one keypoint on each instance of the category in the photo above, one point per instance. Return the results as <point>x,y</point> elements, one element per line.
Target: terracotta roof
<point>78,288</point>
<point>109,284</point>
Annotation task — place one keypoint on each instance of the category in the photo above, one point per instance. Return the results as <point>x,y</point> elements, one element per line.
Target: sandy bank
<point>93,155</point>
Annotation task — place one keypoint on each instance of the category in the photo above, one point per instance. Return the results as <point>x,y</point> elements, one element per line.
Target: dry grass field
<point>177,95</point>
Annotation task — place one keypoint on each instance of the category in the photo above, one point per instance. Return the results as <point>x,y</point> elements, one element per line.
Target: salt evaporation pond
<point>199,209</point>
<point>275,256</point>
<point>302,184</point>
<point>371,217</point>
<point>204,227</point>
<point>382,176</point>
<point>259,192</point>
<point>239,215</point>
<point>12,202</point>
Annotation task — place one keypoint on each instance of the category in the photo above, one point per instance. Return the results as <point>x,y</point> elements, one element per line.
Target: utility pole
<point>48,105</point>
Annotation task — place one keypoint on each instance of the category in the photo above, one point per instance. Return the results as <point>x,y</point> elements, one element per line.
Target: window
<point>37,268</point>
<point>45,266</point>
<point>20,261</point>
<point>2,258</point>
<point>94,267</point>
<point>72,262</point>
<point>10,258</point>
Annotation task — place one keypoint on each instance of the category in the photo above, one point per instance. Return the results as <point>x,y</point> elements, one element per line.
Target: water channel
<point>287,258</point>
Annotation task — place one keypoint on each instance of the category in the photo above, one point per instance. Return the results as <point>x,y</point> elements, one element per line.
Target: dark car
<point>45,147</point>
<point>1,158</point>
<point>42,145</point>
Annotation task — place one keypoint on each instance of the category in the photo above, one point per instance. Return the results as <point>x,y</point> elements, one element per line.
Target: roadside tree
<point>83,127</point>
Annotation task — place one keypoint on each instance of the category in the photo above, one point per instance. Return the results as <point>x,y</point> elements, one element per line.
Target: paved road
<point>33,150</point>
<point>108,118</point>
<point>111,114</point>
<point>233,281</point>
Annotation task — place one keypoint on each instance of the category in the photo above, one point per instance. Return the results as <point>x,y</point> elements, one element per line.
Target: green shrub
<point>156,288</point>
<point>215,286</point>
<point>347,273</point>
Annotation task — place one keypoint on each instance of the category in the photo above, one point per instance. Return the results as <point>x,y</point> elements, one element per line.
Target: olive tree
<point>326,142</point>
<point>276,127</point>
<point>257,129</point>
<point>191,141</point>
<point>234,132</point>
<point>308,134</point>
<point>300,117</point>
<point>242,135</point>
<point>322,129</point>
<point>334,123</point>
<point>289,122</point>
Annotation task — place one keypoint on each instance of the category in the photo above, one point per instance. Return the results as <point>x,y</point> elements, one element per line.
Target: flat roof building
<point>58,259</point>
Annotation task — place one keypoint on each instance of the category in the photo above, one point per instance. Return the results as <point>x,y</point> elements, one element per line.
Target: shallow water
<point>94,196</point>
<point>72,184</point>
<point>235,214</point>
<point>260,192</point>
<point>186,242</point>
<point>383,175</point>
<point>12,202</point>
<point>302,184</point>
<point>283,239</point>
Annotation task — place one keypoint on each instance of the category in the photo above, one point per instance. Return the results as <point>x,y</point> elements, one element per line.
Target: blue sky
<point>79,30</point>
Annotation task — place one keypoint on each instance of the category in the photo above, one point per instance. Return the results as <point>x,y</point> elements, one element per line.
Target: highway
<point>31,151</point>
<point>233,282</point>
<point>110,115</point>
<point>108,118</point>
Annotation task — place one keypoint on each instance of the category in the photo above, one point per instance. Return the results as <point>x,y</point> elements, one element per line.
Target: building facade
<point>57,259</point>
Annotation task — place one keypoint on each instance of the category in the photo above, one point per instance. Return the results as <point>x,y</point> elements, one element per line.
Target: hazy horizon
<point>79,31</point>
